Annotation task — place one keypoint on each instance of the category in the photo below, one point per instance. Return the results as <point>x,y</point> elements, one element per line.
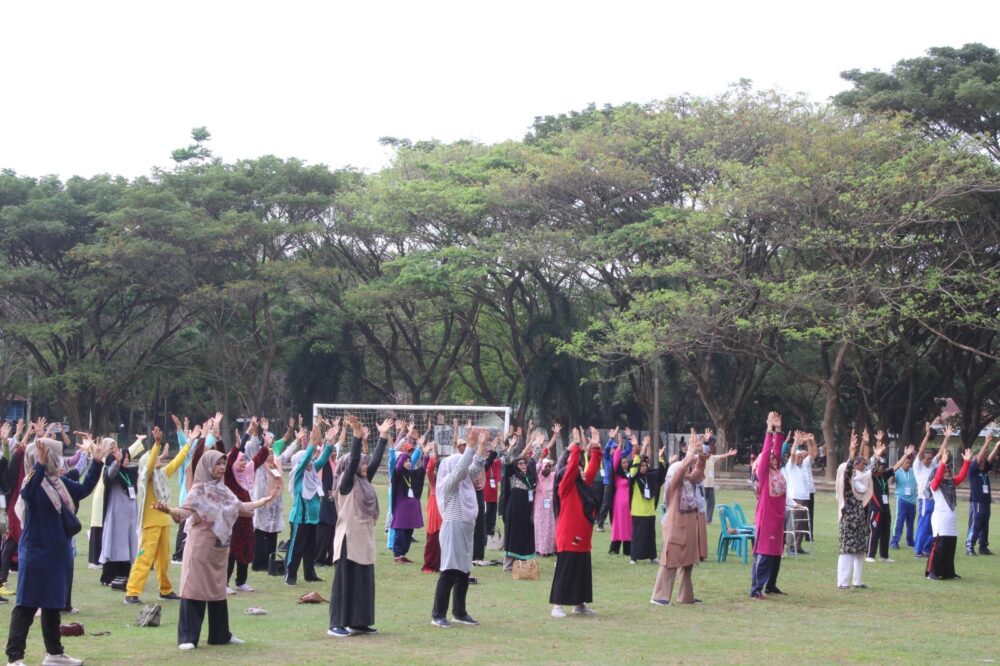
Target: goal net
<point>439,419</point>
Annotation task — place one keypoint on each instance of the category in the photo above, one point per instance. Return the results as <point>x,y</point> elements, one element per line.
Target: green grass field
<point>903,618</point>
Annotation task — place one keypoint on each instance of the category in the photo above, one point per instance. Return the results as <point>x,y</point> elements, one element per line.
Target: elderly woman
<point>352,599</point>
<point>682,533</point>
<point>211,510</point>
<point>854,490</point>
<point>768,544</point>
<point>46,508</point>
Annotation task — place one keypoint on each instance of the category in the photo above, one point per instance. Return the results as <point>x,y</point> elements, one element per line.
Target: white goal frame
<point>403,411</point>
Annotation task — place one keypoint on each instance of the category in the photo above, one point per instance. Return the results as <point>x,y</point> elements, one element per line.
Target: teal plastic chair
<point>740,541</point>
<point>741,521</point>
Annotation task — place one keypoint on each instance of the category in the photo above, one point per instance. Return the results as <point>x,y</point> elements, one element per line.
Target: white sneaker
<point>869,559</point>
<point>230,590</point>
<point>61,660</point>
<point>236,641</point>
<point>557,611</point>
<point>244,588</point>
<point>631,561</point>
<point>19,662</point>
<point>888,560</point>
<point>94,566</point>
<point>584,609</point>
<point>655,560</point>
<point>186,646</point>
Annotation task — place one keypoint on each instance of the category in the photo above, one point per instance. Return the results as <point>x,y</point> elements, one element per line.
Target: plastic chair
<point>741,541</point>
<point>741,521</point>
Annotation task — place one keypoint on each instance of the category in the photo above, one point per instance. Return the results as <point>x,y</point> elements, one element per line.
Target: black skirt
<point>573,582</point>
<point>519,540</point>
<point>352,599</point>
<point>643,538</point>
<point>941,562</point>
<point>96,540</point>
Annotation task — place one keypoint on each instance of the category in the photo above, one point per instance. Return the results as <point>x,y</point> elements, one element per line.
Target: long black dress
<point>519,511</point>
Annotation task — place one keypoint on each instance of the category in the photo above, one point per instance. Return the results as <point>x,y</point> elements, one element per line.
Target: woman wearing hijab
<point>119,545</point>
<point>576,512</point>
<point>941,562</point>
<point>352,599</point>
<point>519,484</point>
<point>407,487</point>
<point>211,510</point>
<point>544,516</point>
<point>304,516</point>
<point>645,495</point>
<point>854,490</point>
<point>619,509</point>
<point>432,547</point>
<point>269,521</point>
<point>239,479</point>
<point>682,534</point>
<point>768,545</point>
<point>46,508</point>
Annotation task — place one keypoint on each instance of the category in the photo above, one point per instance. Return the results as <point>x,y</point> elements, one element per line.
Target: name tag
<point>645,493</point>
<point>986,489</point>
<point>493,483</point>
<point>531,495</point>
<point>3,502</point>
<point>131,492</point>
<point>885,499</point>
<point>602,472</point>
<point>907,490</point>
<point>547,503</point>
<point>409,493</point>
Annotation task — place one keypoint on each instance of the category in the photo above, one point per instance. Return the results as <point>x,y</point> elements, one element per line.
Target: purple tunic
<point>406,513</point>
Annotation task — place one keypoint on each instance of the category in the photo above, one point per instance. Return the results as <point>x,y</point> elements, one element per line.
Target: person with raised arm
<point>645,492</point>
<point>46,507</point>
<point>769,519</point>
<point>854,490</point>
<point>269,520</point>
<point>456,497</point>
<point>682,535</point>
<point>304,516</point>
<point>119,542</point>
<point>520,479</point>
<point>979,499</point>
<point>432,547</point>
<point>944,522</point>
<point>879,514</point>
<point>328,507</point>
<point>154,541</point>
<point>210,511</point>
<point>352,598</point>
<point>923,469</point>
<point>239,479</point>
<point>577,511</point>
<point>12,488</point>
<point>544,516</point>
<point>906,499</point>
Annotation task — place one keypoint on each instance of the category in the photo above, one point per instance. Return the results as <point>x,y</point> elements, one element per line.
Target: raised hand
<point>265,424</point>
<point>910,450</point>
<point>853,449</point>
<point>865,437</point>
<point>947,433</point>
<point>556,428</point>
<point>967,455</point>
<point>4,430</point>
<point>384,428</point>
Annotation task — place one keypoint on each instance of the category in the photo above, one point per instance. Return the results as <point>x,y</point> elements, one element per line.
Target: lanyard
<point>128,481</point>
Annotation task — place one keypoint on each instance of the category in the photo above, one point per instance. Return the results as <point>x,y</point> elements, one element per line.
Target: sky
<point>93,87</point>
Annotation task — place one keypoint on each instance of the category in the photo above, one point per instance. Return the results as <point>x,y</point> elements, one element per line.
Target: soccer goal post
<point>438,418</point>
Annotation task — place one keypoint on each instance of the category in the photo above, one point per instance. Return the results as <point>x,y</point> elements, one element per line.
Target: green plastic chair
<point>741,541</point>
<point>740,520</point>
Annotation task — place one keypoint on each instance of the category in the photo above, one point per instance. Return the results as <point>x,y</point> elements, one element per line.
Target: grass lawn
<point>903,618</point>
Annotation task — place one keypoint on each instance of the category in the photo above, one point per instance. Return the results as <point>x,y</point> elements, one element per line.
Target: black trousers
<point>479,532</point>
<point>192,615</point>
<point>451,583</point>
<point>179,545</point>
<point>881,524</point>
<point>324,544</point>
<point>21,619</point>
<point>304,551</point>
<point>491,518</point>
<point>6,558</point>
<point>620,545</point>
<point>811,504</point>
<point>69,590</point>
<point>401,542</point>
<point>241,571</point>
<point>709,504</point>
<point>265,544</point>
<point>605,497</point>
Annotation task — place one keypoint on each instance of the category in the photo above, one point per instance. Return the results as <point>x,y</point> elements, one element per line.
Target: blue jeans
<point>905,513</point>
<point>925,507</point>
<point>979,525</point>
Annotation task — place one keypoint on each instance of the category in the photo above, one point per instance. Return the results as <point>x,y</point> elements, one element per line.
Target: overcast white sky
<point>113,87</point>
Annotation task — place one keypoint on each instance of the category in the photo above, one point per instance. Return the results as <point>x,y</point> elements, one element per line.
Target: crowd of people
<point>231,508</point>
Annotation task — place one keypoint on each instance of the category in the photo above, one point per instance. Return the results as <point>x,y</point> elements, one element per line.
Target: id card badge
<point>547,503</point>
<point>885,499</point>
<point>3,501</point>
<point>907,491</point>
<point>602,472</point>
<point>531,495</point>
<point>409,493</point>
<point>986,489</point>
<point>645,493</point>
<point>493,483</point>
<point>131,492</point>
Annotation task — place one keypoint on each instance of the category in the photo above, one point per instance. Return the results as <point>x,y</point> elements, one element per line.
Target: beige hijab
<point>52,484</point>
<point>211,500</point>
